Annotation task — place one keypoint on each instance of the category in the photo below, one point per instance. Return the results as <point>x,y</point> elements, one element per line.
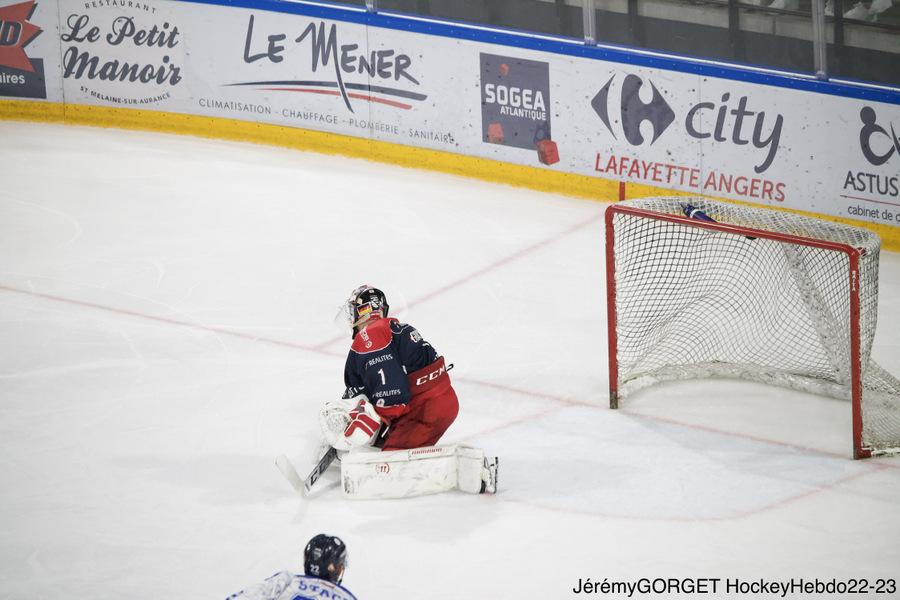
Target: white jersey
<point>288,586</point>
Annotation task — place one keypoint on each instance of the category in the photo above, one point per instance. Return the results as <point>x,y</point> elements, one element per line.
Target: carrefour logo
<point>635,111</point>
<point>727,120</point>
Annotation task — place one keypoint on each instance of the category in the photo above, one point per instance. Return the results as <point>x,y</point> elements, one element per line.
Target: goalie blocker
<point>417,472</point>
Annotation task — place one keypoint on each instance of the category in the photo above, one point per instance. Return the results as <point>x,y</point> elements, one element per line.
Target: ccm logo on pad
<point>431,376</point>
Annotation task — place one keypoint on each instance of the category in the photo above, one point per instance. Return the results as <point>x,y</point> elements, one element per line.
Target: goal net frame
<point>853,255</point>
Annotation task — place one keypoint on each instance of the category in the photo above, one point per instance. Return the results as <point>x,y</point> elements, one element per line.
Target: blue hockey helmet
<point>325,557</point>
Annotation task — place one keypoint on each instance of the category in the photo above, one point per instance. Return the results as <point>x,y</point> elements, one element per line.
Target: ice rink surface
<point>166,329</point>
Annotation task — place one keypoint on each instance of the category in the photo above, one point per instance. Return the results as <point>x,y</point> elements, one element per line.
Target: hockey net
<point>761,295</point>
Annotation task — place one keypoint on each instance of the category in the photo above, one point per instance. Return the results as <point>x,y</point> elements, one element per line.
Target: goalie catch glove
<point>365,423</point>
<point>333,420</point>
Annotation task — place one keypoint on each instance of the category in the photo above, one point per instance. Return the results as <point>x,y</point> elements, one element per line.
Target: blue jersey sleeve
<point>415,352</point>
<point>353,382</point>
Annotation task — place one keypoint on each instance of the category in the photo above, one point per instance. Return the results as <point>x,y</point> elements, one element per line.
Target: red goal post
<point>747,293</point>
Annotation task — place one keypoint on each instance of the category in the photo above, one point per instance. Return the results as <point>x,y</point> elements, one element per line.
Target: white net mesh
<point>695,303</point>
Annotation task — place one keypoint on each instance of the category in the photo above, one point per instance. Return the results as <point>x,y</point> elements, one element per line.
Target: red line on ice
<point>322,347</point>
<point>166,320</point>
<point>488,268</point>
<point>560,401</point>
<point>728,517</point>
<point>567,403</point>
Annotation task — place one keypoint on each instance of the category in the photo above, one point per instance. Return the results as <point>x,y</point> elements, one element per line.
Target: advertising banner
<point>869,180</point>
<point>29,52</point>
<point>123,53</point>
<point>759,144</point>
<point>719,137</point>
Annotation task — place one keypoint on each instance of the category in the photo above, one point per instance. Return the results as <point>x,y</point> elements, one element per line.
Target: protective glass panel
<point>553,17</point>
<point>776,34</point>
<point>864,40</point>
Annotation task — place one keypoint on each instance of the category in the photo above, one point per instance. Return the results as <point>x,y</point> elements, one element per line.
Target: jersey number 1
<point>383,380</point>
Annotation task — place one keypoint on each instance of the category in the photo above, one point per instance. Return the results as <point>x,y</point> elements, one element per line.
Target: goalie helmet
<point>325,557</point>
<point>364,303</point>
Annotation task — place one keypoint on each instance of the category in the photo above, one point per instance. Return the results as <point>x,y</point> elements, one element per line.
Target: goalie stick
<point>290,473</point>
<point>304,487</point>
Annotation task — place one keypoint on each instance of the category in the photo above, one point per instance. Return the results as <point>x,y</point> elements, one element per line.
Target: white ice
<point>166,308</point>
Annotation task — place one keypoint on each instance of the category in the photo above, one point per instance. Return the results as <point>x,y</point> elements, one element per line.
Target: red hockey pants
<point>430,414</point>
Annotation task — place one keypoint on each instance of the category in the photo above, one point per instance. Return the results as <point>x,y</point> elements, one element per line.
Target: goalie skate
<point>489,477</point>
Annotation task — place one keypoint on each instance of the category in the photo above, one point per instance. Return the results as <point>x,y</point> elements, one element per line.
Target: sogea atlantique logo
<point>515,105</point>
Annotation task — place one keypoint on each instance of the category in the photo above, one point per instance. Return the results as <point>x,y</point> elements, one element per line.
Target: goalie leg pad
<point>399,473</point>
<point>417,472</point>
<point>477,473</point>
<point>470,467</point>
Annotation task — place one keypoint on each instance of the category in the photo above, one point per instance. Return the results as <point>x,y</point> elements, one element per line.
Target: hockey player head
<point>325,557</point>
<point>365,303</point>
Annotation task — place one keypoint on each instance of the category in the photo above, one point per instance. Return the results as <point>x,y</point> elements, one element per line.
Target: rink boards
<point>537,111</point>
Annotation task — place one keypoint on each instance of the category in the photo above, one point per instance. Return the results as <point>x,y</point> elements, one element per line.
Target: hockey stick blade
<point>290,473</point>
<point>320,468</point>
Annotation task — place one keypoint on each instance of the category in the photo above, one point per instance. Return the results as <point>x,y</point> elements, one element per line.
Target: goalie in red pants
<point>398,396</point>
<point>400,374</point>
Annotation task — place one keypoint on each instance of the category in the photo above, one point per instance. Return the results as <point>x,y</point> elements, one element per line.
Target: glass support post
<point>820,42</point>
<point>590,28</point>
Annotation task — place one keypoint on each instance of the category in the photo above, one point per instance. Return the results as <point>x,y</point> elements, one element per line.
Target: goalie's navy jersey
<point>289,586</point>
<point>381,356</point>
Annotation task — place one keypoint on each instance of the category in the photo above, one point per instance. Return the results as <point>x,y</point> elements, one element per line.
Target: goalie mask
<point>325,557</point>
<point>364,303</point>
